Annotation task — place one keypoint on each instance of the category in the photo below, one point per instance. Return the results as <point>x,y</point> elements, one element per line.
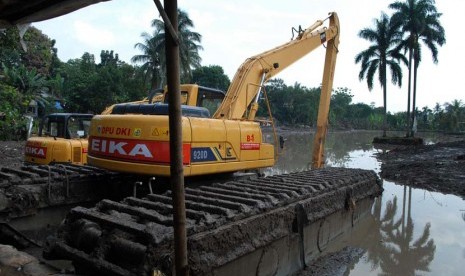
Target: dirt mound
<point>439,167</point>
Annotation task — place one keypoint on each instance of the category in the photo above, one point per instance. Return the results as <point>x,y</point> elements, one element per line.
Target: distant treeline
<point>35,74</point>
<point>297,105</point>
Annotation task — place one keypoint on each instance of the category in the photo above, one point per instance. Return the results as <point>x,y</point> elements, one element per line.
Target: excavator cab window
<point>73,128</point>
<point>86,127</point>
<point>52,127</point>
<point>78,127</point>
<point>184,97</point>
<point>210,98</point>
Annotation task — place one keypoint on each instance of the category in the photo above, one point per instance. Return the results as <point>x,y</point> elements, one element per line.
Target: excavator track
<point>25,190</point>
<point>225,221</point>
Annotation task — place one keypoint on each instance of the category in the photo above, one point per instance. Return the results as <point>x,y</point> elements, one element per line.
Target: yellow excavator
<point>62,138</point>
<point>134,138</point>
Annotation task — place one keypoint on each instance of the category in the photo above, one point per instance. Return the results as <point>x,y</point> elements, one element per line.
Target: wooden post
<point>175,128</point>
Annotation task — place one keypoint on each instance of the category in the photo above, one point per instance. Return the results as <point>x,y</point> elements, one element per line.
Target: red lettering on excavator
<point>134,150</point>
<point>108,130</point>
<point>34,150</point>
<point>123,131</point>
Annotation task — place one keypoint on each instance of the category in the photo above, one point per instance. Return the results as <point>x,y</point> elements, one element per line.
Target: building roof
<point>15,12</point>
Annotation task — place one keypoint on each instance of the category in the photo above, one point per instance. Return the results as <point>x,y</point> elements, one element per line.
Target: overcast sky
<point>235,30</point>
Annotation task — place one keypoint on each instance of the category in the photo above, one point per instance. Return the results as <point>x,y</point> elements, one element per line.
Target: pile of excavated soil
<point>439,167</point>
<point>11,153</point>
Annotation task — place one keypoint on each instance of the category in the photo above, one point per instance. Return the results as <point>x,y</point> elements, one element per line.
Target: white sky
<point>235,30</point>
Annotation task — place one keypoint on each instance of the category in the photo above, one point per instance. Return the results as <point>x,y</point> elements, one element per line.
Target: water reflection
<point>398,253</point>
<point>410,232</point>
<point>297,152</point>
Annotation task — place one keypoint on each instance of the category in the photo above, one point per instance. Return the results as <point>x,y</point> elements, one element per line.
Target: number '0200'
<point>200,154</point>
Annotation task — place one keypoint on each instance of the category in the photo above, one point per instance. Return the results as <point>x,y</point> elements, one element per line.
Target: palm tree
<point>419,19</point>
<point>383,53</point>
<point>153,49</point>
<point>454,113</point>
<point>152,54</point>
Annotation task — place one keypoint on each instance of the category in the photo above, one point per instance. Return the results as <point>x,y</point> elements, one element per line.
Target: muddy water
<point>412,231</point>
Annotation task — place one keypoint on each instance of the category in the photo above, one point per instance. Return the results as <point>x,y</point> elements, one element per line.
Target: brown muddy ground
<point>439,167</point>
<point>11,153</point>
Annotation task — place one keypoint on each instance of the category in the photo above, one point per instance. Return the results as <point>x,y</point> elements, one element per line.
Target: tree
<point>37,55</point>
<point>340,101</point>
<point>419,19</point>
<point>10,48</point>
<point>28,82</point>
<point>455,114</point>
<point>153,48</point>
<point>151,58</point>
<point>80,76</point>
<point>12,108</point>
<point>382,54</point>
<point>211,76</point>
<point>293,105</point>
<point>91,87</point>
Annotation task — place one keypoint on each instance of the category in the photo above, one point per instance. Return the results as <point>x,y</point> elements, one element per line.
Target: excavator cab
<point>196,101</point>
<point>62,138</point>
<point>200,96</point>
<point>65,125</point>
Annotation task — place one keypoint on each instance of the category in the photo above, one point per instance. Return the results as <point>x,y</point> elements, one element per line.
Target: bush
<point>12,122</point>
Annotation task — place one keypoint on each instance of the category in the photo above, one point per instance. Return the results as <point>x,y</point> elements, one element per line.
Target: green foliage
<point>28,82</point>
<point>339,106</point>
<point>27,64</point>
<point>40,52</point>
<point>292,105</point>
<point>454,117</point>
<point>211,76</point>
<point>91,87</point>
<point>10,48</point>
<point>12,107</point>
<point>153,51</point>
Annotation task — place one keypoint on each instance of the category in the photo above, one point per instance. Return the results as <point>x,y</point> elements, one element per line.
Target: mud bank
<point>333,264</point>
<point>438,168</point>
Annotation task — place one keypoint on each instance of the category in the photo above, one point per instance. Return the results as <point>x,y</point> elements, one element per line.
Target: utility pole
<point>170,17</point>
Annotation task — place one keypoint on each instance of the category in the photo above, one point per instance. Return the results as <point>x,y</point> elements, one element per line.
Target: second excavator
<point>134,138</point>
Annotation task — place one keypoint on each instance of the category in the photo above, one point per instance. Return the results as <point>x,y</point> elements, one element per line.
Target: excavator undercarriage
<point>225,221</point>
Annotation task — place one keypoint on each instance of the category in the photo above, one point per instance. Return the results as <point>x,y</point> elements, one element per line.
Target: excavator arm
<point>243,93</point>
<point>325,98</point>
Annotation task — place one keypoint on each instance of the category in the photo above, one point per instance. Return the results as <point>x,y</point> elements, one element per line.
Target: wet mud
<point>333,264</point>
<point>439,167</point>
<point>11,153</point>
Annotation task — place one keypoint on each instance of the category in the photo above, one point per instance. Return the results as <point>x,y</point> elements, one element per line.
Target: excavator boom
<point>256,70</point>
<point>325,98</point>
